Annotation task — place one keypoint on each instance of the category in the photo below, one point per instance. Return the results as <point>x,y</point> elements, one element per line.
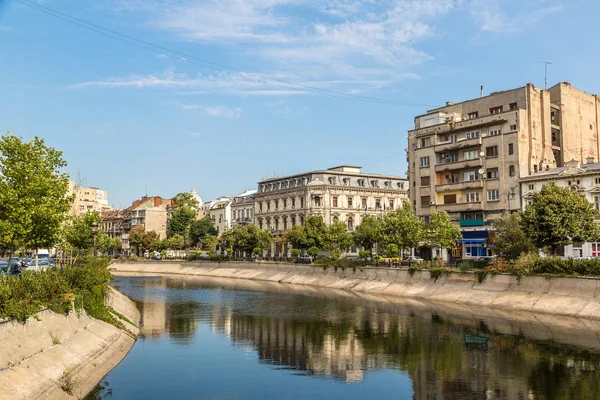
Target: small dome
<point>196,196</point>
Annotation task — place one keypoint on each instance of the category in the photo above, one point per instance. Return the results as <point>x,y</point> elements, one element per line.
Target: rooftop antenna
<point>146,190</point>
<point>545,73</point>
<point>481,91</point>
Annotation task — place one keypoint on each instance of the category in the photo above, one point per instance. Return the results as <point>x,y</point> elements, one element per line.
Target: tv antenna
<point>546,63</point>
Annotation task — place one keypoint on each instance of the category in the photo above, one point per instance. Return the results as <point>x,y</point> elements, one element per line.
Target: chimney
<point>589,160</point>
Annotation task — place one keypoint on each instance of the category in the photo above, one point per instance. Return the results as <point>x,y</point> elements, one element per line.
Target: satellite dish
<point>481,154</point>
<point>481,171</point>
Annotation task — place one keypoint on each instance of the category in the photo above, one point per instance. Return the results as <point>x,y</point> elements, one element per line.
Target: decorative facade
<point>343,193</point>
<point>467,158</point>
<point>242,208</point>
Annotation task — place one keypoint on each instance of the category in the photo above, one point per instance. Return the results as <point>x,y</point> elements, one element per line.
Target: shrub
<point>465,265</point>
<point>439,262</point>
<point>336,254</point>
<point>525,264</point>
<point>498,264</point>
<point>313,251</point>
<point>391,250</point>
<point>295,253</point>
<point>364,253</point>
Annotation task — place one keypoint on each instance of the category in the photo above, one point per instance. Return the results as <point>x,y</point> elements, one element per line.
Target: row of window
<point>284,203</point>
<point>446,158</point>
<point>470,197</point>
<point>247,213</point>
<point>493,110</point>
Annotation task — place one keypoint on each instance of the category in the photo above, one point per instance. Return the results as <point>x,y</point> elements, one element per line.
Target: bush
<point>498,264</point>
<point>465,265</point>
<point>364,253</point>
<point>392,250</point>
<point>295,253</point>
<point>336,254</point>
<point>313,251</point>
<point>525,264</point>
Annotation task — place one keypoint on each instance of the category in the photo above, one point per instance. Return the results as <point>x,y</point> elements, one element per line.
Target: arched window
<point>350,224</point>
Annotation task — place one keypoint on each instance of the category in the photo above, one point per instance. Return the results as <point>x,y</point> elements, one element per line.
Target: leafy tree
<point>184,209</point>
<point>246,238</point>
<point>313,251</point>
<point>316,232</point>
<point>368,233</point>
<point>558,217</point>
<point>295,253</point>
<point>440,232</point>
<point>175,242</point>
<point>401,227</point>
<point>200,228</point>
<point>79,235</point>
<point>150,241</point>
<point>209,241</point>
<point>510,240</point>
<point>392,250</point>
<point>296,236</point>
<point>136,238</point>
<point>106,244</point>
<point>337,237</point>
<point>33,194</point>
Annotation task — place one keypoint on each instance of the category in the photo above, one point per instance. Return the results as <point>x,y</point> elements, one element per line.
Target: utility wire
<point>204,63</point>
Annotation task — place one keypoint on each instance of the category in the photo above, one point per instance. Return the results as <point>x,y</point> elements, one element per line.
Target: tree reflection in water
<point>341,338</point>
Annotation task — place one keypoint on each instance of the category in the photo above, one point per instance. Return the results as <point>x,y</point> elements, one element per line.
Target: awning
<point>472,240</point>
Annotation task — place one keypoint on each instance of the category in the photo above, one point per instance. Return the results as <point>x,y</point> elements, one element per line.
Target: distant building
<point>88,199</point>
<point>342,193</point>
<point>467,158</point>
<point>219,211</point>
<point>242,208</point>
<point>583,179</point>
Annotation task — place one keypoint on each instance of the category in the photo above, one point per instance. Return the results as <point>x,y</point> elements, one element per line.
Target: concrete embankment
<point>574,297</point>
<point>55,356</point>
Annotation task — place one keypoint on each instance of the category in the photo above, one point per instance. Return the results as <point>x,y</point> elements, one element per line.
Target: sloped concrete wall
<point>575,297</point>
<point>50,351</point>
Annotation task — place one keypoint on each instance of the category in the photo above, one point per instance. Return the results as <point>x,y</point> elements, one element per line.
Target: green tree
<point>246,238</point>
<point>316,232</point>
<point>296,236</point>
<point>33,194</point>
<point>79,235</point>
<point>510,241</point>
<point>175,242</point>
<point>200,228</point>
<point>558,217</point>
<point>184,209</point>
<point>295,253</point>
<point>313,251</point>
<point>440,232</point>
<point>402,228</point>
<point>209,242</point>
<point>150,241</point>
<point>368,233</point>
<point>337,237</point>
<point>136,238</point>
<point>391,250</point>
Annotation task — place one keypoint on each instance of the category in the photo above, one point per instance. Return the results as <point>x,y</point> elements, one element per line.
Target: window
<point>472,197</point>
<point>512,106</point>
<point>284,204</point>
<point>472,135</point>
<point>391,204</point>
<point>350,224</point>
<point>513,127</point>
<point>364,202</point>
<point>495,132</point>
<point>293,203</point>
<point>448,158</point>
<point>496,110</point>
<point>335,201</point>
<point>425,142</point>
<point>449,198</point>
<point>425,181</point>
<point>452,178</point>
<point>276,204</point>
<point>491,151</point>
<point>535,170</point>
<point>597,181</point>
<point>470,176</point>
<point>425,200</point>
<point>493,195</point>
<point>301,202</point>
<point>597,202</point>
<point>470,155</point>
<point>269,205</point>
<point>595,249</point>
<point>552,116</point>
<point>493,173</point>
<point>377,204</point>
<point>530,187</point>
<point>424,161</point>
<point>473,115</point>
<point>349,202</point>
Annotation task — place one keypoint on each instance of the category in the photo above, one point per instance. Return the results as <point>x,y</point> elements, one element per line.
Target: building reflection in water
<point>343,339</point>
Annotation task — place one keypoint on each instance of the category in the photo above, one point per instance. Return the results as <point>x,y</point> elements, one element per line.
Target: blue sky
<point>129,119</point>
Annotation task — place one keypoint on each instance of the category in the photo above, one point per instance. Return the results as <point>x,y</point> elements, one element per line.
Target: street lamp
<point>94,227</point>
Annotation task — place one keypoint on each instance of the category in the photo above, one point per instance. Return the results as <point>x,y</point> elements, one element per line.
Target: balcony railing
<point>478,183</point>
<point>459,165</point>
<point>460,207</point>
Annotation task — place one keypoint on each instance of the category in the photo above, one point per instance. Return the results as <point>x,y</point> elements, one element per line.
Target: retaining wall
<point>575,297</point>
<point>51,352</point>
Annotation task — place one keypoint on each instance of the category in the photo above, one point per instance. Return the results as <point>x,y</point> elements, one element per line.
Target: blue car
<point>15,267</point>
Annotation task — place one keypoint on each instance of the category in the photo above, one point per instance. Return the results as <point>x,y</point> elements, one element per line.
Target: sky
<point>219,94</point>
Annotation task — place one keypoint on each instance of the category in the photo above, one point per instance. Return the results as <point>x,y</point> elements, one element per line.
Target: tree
<point>368,233</point>
<point>337,237</point>
<point>440,232</point>
<point>184,209</point>
<point>209,241</point>
<point>510,241</point>
<point>316,232</point>
<point>79,235</point>
<point>175,242</point>
<point>136,238</point>
<point>558,217</point>
<point>313,251</point>
<point>246,238</point>
<point>391,250</point>
<point>150,241</point>
<point>200,228</point>
<point>296,236</point>
<point>33,194</point>
<point>401,227</point>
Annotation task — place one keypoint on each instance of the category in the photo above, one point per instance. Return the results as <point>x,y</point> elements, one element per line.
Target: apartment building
<point>467,158</point>
<point>219,211</point>
<point>342,193</point>
<point>88,199</point>
<point>581,178</point>
<point>242,208</point>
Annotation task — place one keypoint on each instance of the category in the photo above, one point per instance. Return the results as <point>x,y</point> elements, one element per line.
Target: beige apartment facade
<point>468,158</point>
<point>88,199</point>
<point>242,208</point>
<point>342,193</point>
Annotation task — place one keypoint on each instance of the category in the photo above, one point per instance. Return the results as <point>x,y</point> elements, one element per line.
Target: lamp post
<point>94,227</point>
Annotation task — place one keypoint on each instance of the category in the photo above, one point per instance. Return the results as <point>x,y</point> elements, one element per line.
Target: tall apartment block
<point>467,158</point>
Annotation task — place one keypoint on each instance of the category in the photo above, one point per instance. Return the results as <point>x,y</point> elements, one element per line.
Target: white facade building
<point>242,208</point>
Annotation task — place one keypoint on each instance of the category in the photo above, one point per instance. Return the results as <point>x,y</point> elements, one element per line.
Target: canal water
<point>215,339</point>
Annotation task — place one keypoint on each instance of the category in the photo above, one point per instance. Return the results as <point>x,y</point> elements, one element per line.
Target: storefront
<point>475,244</point>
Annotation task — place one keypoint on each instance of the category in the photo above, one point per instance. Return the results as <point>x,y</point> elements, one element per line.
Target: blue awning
<point>472,240</point>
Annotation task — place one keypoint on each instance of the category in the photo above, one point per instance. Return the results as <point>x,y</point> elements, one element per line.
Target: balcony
<point>459,185</point>
<point>471,222</point>
<point>478,162</point>
<point>460,207</point>
<point>445,146</point>
<point>492,119</point>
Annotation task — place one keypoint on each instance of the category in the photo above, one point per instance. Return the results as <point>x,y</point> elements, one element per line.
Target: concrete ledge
<point>38,357</point>
<point>574,297</point>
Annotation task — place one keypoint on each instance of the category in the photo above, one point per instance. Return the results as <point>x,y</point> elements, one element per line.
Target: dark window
<point>511,170</point>
<point>510,148</point>
<point>512,106</point>
<point>496,110</point>
<point>449,199</point>
<point>425,181</point>
<point>491,151</point>
<point>473,115</point>
<point>425,200</point>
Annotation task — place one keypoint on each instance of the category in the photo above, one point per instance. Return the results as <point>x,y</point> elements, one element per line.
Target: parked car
<point>14,267</point>
<point>413,259</point>
<point>305,259</point>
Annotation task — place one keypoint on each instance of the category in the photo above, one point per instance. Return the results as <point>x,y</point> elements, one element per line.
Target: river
<point>212,339</point>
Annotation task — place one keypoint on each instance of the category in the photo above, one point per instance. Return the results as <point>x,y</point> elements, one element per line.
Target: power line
<point>204,63</point>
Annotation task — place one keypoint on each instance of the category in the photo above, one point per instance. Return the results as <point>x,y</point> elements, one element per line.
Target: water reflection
<point>446,355</point>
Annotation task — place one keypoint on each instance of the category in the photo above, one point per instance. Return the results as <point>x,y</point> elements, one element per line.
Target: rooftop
<point>344,169</point>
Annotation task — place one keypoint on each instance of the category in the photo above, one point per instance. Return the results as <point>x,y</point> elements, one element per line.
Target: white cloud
<point>513,16</point>
<point>222,112</point>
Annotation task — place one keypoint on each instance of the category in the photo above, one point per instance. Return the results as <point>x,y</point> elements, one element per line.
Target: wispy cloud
<point>222,112</point>
<point>512,16</point>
